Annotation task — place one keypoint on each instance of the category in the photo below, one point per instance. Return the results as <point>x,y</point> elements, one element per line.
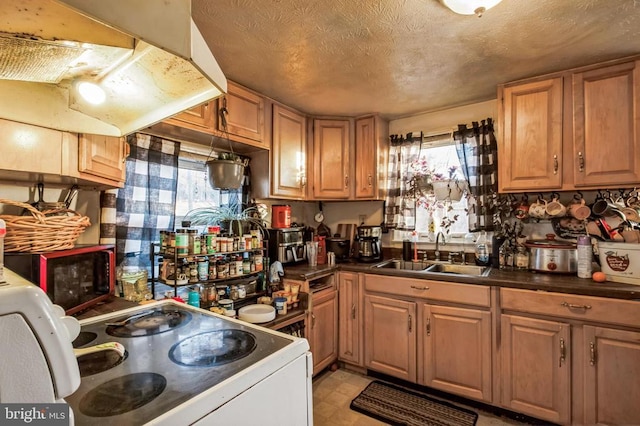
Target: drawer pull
<point>420,288</point>
<point>574,306</point>
<point>562,352</point>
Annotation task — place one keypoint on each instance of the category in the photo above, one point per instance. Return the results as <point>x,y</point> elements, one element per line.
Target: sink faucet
<point>437,252</point>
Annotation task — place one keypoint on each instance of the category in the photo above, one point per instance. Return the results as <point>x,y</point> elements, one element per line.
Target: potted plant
<point>226,171</point>
<point>232,219</point>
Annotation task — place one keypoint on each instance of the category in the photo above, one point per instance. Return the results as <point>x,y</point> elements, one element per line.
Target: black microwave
<point>74,279</point>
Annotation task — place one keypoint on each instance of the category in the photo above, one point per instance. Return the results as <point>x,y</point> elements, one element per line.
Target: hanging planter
<point>226,171</point>
<point>449,189</point>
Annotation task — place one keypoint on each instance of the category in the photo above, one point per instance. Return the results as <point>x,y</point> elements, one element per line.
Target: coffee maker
<point>368,243</point>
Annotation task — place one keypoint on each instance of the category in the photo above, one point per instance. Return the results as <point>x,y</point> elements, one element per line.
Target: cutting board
<point>347,230</point>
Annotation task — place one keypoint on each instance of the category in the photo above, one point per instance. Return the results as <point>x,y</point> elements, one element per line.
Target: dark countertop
<point>559,283</point>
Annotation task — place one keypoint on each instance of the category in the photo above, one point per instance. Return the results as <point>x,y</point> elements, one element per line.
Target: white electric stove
<point>181,365</point>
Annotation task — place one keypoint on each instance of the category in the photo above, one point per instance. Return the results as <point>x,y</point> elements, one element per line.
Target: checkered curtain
<point>478,153</point>
<point>400,209</point>
<point>133,216</point>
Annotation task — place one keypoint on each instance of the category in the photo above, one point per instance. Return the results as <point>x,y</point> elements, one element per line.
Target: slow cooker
<point>551,255</point>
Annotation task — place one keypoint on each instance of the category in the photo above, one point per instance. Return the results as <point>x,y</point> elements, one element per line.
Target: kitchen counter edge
<point>558,283</point>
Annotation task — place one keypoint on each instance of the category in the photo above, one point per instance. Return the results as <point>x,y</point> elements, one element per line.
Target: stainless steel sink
<point>405,265</point>
<point>457,269</point>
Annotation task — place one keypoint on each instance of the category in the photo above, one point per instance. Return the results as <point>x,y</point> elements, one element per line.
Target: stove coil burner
<point>213,348</point>
<point>98,362</point>
<point>122,394</point>
<point>159,321</point>
<point>83,338</point>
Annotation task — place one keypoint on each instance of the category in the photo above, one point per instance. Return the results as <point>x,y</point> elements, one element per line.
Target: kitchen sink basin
<point>452,268</point>
<point>406,265</point>
<point>434,267</point>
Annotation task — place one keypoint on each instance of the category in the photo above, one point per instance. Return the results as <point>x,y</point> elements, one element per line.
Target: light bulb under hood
<point>148,57</point>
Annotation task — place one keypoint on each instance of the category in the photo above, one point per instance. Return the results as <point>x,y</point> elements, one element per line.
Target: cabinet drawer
<point>428,289</point>
<point>586,308</point>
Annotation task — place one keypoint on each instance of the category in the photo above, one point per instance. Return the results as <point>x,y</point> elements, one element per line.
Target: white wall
<point>444,120</point>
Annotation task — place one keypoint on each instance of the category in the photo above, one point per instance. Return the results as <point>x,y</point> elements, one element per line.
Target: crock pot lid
<point>550,242</point>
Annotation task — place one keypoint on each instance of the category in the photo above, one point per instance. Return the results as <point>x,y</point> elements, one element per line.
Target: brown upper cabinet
<point>288,154</point>
<point>331,155</point>
<point>36,154</point>
<point>241,109</point>
<point>244,114</point>
<point>348,158</point>
<point>103,156</point>
<point>577,129</point>
<point>200,118</point>
<point>370,157</point>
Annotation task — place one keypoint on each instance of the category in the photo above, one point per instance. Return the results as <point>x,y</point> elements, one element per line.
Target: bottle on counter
<point>585,254</point>
<point>522,258</point>
<point>482,249</point>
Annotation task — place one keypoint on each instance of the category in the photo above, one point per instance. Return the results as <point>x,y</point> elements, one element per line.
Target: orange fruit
<point>599,277</point>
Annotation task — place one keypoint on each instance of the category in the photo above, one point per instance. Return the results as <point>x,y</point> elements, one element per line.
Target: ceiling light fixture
<point>470,7</point>
<point>91,92</point>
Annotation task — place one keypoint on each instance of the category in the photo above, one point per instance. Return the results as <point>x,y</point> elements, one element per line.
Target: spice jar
<point>233,294</point>
<point>242,291</point>
<point>522,258</point>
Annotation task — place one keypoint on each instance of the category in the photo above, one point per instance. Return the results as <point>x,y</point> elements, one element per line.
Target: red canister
<point>280,216</point>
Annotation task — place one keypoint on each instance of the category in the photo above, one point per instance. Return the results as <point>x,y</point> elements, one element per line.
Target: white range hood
<point>148,57</point>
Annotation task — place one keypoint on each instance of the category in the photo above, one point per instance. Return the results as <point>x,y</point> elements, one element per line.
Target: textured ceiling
<point>401,57</point>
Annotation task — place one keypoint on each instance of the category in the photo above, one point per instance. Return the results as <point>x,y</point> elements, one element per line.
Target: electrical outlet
<point>361,219</point>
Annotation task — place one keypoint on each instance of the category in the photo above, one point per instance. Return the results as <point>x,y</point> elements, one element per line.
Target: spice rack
<point>191,269</point>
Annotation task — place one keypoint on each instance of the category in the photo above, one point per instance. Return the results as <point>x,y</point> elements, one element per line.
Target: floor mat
<point>399,406</point>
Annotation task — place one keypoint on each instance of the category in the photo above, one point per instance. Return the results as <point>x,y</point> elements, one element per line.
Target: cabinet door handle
<point>410,325</point>
<point>346,181</point>
<point>353,311</point>
<point>580,162</point>
<point>592,353</point>
<point>313,321</point>
<point>370,180</point>
<point>562,352</point>
<point>420,288</point>
<point>574,306</point>
<point>428,326</point>
<point>555,164</point>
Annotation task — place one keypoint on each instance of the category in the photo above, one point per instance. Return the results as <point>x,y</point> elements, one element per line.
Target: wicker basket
<point>42,231</point>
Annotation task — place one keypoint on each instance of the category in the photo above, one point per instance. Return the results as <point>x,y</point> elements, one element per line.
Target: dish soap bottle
<point>482,249</point>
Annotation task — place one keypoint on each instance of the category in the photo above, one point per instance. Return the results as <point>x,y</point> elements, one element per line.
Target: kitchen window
<point>195,191</point>
<point>420,213</point>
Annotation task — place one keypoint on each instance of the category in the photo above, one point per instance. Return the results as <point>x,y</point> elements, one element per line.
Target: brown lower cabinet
<point>563,358</point>
<point>323,328</point>
<point>570,359</point>
<point>413,332</point>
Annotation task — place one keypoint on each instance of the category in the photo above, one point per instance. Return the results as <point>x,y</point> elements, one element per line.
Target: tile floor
<point>333,392</point>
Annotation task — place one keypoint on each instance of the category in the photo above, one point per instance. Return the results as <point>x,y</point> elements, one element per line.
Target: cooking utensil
<point>73,191</point>
<point>129,319</point>
<point>39,203</point>
<point>109,346</point>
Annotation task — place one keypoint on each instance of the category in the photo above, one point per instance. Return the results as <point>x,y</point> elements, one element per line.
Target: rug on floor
<point>400,406</point>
